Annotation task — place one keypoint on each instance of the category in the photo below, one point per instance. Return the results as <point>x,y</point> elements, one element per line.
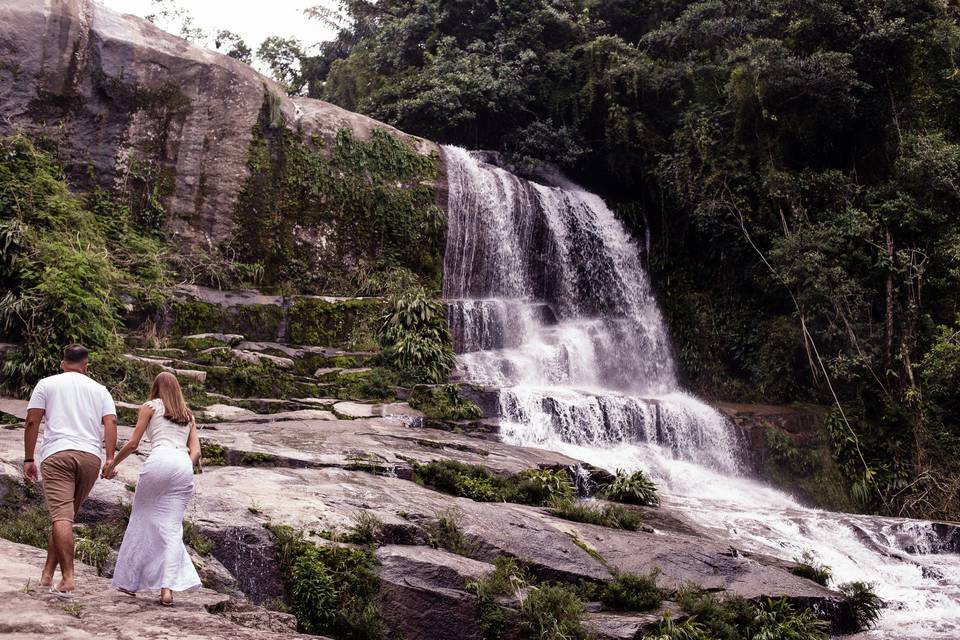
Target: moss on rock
<point>349,324</point>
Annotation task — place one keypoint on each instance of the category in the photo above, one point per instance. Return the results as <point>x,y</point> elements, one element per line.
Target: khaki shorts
<point>68,477</point>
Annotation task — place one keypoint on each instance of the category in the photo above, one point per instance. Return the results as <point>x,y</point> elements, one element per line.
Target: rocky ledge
<point>330,471</point>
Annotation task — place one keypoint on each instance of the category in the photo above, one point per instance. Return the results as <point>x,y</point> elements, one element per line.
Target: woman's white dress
<point>152,555</point>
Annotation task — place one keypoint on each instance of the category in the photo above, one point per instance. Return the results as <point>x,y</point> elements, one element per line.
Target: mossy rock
<point>350,324</point>
<point>444,402</point>
<point>191,317</point>
<point>257,321</point>
<point>203,341</point>
<point>244,380</point>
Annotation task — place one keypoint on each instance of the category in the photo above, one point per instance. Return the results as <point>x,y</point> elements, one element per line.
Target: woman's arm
<point>193,443</point>
<point>143,419</point>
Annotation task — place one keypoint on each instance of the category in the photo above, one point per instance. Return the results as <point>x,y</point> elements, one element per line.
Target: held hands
<point>109,471</point>
<point>30,472</point>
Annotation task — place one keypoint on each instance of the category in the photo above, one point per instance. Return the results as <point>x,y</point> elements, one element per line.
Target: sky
<point>253,20</point>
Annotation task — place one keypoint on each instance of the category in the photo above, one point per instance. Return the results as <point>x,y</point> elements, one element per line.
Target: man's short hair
<point>75,354</point>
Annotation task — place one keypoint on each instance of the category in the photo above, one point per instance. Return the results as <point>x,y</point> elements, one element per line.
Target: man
<point>80,416</point>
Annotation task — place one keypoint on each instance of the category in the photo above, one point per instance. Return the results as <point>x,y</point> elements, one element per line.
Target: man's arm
<point>30,435</point>
<point>110,436</point>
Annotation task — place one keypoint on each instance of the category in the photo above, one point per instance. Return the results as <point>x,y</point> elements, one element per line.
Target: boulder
<point>356,410</point>
<point>423,593</point>
<point>104,87</point>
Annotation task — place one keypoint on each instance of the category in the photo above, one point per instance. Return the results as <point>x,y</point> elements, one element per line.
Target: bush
<point>777,620</point>
<point>331,589</point>
<point>415,337</point>
<point>445,533</point>
<point>506,579</point>
<point>532,486</point>
<point>444,402</point>
<point>633,592</point>
<point>64,268</point>
<point>367,528</point>
<point>864,606</point>
<point>93,552</point>
<point>543,486</point>
<point>689,629</point>
<point>552,612</point>
<point>809,568</point>
<point>605,515</point>
<point>199,542</point>
<point>633,488</point>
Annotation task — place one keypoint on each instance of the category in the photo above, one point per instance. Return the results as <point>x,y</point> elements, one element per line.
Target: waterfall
<point>549,303</point>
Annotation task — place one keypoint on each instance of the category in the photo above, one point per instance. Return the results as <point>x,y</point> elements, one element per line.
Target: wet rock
<point>214,575</point>
<point>247,615</point>
<point>618,625</point>
<point>252,357</point>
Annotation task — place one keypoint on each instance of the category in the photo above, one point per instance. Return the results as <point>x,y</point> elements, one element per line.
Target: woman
<point>152,555</point>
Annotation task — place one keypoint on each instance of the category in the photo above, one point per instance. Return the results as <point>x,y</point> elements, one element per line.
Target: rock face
<point>99,611</point>
<point>145,110</point>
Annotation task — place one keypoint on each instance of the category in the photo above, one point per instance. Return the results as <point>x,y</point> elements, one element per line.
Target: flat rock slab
<point>14,407</point>
<point>616,625</point>
<point>379,442</point>
<point>99,611</point>
<point>226,412</point>
<point>203,339</point>
<point>356,410</point>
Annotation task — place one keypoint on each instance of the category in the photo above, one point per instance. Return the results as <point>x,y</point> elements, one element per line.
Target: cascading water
<point>549,303</point>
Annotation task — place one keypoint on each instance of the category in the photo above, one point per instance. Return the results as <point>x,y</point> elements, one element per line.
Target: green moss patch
<point>350,324</point>
<point>372,202</point>
<point>444,402</point>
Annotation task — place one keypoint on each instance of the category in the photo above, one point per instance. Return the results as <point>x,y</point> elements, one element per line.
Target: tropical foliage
<point>796,163</point>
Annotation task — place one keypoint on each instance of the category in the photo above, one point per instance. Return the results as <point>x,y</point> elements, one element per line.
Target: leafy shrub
<point>63,267</point>
<point>23,516</point>
<point>633,592</point>
<point>632,488</point>
<point>199,542</point>
<point>444,402</point>
<point>445,533</point>
<point>808,567</point>
<point>415,337</point>
<point>93,551</point>
<point>605,515</point>
<point>331,589</point>
<point>461,479</point>
<point>543,486</point>
<point>532,486</point>
<point>552,612</point>
<point>864,605</point>
<point>367,528</point>
<point>689,629</point>
<point>777,620</point>
<point>506,579</point>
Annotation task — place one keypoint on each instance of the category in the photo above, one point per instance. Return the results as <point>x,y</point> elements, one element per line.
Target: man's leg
<point>59,487</point>
<point>63,543</point>
<point>50,567</point>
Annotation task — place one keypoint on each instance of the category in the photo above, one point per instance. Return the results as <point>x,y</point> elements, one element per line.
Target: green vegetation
<point>373,199</point>
<point>350,324</point>
<point>808,567</point>
<point>734,618</point>
<point>330,589</point>
<point>552,612</point>
<point>632,488</point>
<point>416,339</point>
<point>591,512</point>
<point>196,540</point>
<point>66,263</point>
<point>445,533</point>
<point>864,606</point>
<point>367,528</point>
<point>532,486</point>
<point>633,592</point>
<point>796,165</point>
<point>444,402</point>
<point>23,516</point>
<point>212,454</point>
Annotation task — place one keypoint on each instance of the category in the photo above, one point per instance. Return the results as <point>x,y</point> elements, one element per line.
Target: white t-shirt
<point>75,406</point>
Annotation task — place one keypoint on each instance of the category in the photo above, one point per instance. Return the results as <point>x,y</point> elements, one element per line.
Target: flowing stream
<point>550,303</point>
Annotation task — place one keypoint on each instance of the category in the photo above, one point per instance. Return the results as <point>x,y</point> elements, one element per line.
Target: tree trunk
<point>888,324</point>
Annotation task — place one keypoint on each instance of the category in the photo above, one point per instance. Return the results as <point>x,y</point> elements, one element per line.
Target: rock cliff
<point>201,145</point>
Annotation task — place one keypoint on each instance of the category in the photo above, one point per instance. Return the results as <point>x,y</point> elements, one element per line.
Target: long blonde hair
<point>167,388</point>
